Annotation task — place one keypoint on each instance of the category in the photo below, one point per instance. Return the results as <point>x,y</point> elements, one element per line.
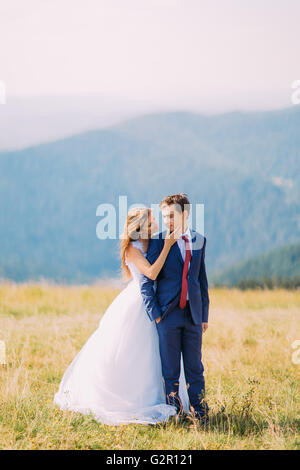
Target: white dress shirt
<point>181,245</point>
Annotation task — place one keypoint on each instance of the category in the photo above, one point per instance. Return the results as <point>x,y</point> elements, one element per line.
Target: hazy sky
<point>236,53</point>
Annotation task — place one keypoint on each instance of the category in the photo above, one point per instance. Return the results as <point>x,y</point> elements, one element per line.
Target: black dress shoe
<point>203,421</point>
<point>201,415</point>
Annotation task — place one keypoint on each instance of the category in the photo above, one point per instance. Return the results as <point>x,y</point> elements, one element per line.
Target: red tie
<point>184,284</point>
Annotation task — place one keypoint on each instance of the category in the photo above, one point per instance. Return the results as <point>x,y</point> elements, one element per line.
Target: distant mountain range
<point>27,121</point>
<point>280,263</point>
<point>244,167</point>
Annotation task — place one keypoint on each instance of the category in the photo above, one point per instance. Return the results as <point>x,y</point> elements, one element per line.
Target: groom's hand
<point>204,327</point>
<point>158,319</point>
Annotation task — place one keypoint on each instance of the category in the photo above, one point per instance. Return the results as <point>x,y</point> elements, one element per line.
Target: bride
<point>117,374</point>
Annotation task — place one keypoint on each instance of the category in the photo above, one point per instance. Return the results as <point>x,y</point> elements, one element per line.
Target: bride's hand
<point>172,238</point>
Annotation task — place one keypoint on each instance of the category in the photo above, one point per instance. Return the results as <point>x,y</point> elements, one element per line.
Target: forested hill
<point>281,263</point>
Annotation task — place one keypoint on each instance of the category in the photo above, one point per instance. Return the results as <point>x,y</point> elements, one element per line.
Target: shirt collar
<point>187,233</point>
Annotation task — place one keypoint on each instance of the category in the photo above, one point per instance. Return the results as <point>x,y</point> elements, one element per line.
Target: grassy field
<point>252,383</point>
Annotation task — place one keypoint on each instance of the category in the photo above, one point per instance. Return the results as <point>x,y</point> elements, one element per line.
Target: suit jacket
<point>167,295</point>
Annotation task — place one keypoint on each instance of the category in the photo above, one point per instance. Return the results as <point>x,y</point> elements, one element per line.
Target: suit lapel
<point>194,251</point>
<point>177,252</point>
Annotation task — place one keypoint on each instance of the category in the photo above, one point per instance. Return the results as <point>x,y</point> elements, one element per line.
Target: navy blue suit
<point>180,330</point>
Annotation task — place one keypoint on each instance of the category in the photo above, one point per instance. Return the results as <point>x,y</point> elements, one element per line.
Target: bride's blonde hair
<point>136,227</point>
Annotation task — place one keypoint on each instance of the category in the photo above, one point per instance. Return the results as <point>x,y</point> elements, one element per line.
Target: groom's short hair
<point>177,199</point>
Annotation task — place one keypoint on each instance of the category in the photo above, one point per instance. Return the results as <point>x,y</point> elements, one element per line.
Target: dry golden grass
<point>252,384</point>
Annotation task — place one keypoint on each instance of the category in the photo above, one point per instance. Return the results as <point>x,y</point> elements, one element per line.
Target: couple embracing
<point>143,363</point>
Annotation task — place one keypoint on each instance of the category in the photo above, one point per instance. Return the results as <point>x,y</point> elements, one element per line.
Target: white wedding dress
<point>117,374</point>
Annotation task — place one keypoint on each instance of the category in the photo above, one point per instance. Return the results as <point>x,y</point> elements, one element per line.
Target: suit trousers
<point>178,333</point>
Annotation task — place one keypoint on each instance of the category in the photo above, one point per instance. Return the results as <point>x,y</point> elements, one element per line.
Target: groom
<point>179,305</point>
